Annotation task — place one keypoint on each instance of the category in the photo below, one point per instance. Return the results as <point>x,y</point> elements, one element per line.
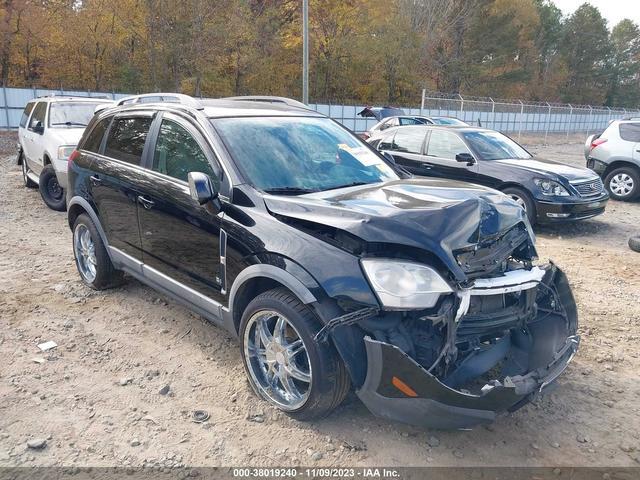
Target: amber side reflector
<point>403,387</point>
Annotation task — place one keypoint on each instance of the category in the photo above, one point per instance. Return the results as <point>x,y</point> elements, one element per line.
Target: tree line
<point>366,51</point>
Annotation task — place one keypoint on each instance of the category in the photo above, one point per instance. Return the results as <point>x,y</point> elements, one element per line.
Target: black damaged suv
<point>333,267</point>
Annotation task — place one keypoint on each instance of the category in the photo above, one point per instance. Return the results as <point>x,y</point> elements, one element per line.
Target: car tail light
<point>597,141</point>
<point>75,154</point>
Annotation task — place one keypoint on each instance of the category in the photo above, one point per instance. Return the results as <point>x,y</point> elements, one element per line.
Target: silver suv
<point>615,155</point>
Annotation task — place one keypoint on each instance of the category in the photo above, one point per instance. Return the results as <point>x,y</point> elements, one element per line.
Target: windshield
<point>297,155</point>
<point>69,114</point>
<point>495,146</point>
<point>447,121</point>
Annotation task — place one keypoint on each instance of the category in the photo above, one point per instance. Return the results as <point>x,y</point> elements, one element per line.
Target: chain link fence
<point>514,117</point>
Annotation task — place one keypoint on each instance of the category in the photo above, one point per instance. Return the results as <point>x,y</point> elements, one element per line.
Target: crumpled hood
<point>439,216</point>
<point>67,136</point>
<point>546,167</point>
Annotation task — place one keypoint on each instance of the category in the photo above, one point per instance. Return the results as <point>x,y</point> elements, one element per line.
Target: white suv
<point>49,131</point>
<point>615,156</point>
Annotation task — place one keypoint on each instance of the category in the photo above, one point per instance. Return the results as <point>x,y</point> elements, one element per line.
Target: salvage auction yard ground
<point>96,401</point>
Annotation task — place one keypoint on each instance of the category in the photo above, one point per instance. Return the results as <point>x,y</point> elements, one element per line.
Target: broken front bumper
<point>398,388</point>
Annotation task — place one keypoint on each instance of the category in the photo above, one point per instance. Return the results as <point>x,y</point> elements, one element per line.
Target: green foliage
<point>365,51</point>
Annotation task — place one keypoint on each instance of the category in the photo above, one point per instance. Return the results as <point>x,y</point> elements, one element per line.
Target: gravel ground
<point>96,399</point>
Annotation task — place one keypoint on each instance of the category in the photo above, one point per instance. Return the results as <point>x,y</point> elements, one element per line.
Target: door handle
<point>146,203</point>
<point>96,180</point>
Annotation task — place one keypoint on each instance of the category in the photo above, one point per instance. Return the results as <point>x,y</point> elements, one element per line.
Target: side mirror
<point>201,189</point>
<point>38,128</point>
<point>389,158</point>
<point>465,158</point>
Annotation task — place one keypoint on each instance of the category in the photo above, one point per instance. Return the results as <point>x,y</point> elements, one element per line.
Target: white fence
<point>509,116</point>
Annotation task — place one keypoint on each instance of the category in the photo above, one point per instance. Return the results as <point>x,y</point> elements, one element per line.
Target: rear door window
<point>630,132</point>
<point>408,140</point>
<point>38,115</point>
<point>25,115</point>
<point>94,140</point>
<point>127,138</point>
<point>445,145</point>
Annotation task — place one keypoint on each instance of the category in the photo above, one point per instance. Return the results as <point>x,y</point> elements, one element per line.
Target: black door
<point>116,181</point>
<point>181,238</point>
<point>440,157</point>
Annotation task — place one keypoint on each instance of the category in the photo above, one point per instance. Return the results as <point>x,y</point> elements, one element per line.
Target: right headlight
<point>404,285</point>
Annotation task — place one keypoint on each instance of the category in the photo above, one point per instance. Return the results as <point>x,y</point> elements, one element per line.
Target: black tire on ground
<point>529,205</point>
<point>634,243</point>
<point>26,180</point>
<point>51,191</point>
<point>624,174</point>
<point>330,382</point>
<point>106,276</point>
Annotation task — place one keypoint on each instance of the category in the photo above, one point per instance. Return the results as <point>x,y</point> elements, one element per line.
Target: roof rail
<point>268,99</point>
<point>160,97</point>
<point>65,95</point>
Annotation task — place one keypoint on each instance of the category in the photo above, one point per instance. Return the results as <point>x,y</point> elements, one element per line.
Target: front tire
<point>25,169</point>
<point>92,260</point>
<point>284,364</point>
<point>634,243</point>
<point>623,184</point>
<point>522,198</point>
<point>51,191</point>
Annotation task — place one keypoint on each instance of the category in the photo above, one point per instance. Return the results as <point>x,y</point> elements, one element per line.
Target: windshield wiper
<point>352,184</point>
<point>289,190</point>
<point>69,124</point>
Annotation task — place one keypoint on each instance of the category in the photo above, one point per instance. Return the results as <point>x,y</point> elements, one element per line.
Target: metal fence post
<point>424,92</point>
<point>521,115</point>
<point>6,105</point>
<point>461,106</point>
<point>546,130</point>
<point>493,112</point>
<point>590,120</point>
<point>569,122</point>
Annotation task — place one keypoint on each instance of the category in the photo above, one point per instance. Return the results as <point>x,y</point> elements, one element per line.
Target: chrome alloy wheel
<point>277,359</point>
<point>519,200</point>
<point>85,252</point>
<point>621,184</point>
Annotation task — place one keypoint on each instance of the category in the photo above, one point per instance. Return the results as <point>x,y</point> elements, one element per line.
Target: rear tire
<point>523,198</point>
<point>51,191</point>
<point>92,260</point>
<point>623,184</point>
<point>306,385</point>
<point>25,169</point>
<point>634,243</point>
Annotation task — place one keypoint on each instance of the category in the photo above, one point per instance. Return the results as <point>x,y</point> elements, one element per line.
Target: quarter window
<point>127,138</point>
<point>94,140</point>
<point>25,115</point>
<point>408,140</point>
<point>630,132</point>
<point>445,145</point>
<point>177,153</point>
<point>38,114</point>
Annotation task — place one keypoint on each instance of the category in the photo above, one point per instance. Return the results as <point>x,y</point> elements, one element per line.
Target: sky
<point>612,10</point>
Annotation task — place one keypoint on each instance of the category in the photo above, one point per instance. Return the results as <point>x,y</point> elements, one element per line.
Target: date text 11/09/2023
<point>287,472</point>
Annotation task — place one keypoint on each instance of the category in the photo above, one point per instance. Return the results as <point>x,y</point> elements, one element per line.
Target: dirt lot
<point>95,399</point>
